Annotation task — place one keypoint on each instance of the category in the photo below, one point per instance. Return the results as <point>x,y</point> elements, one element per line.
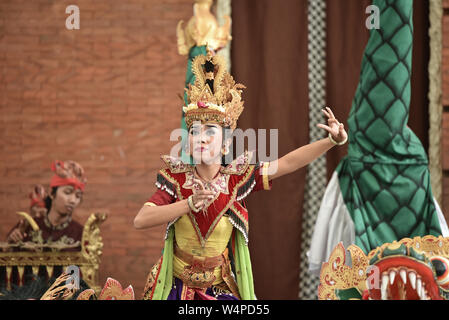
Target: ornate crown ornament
<point>408,269</point>
<point>214,97</point>
<point>203,29</point>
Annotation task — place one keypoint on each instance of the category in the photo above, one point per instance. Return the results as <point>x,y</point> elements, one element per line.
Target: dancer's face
<point>66,200</point>
<point>205,142</point>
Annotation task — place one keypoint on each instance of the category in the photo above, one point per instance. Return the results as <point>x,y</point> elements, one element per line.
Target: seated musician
<point>56,224</point>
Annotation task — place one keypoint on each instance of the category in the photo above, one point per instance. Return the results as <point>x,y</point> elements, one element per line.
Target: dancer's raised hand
<point>335,128</point>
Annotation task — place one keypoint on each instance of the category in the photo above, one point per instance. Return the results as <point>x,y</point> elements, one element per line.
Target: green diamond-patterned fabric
<point>384,179</point>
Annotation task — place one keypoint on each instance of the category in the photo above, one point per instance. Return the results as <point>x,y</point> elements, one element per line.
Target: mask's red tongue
<point>402,278</point>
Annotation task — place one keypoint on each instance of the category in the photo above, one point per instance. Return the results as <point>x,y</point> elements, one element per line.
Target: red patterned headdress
<point>37,196</point>
<point>68,173</point>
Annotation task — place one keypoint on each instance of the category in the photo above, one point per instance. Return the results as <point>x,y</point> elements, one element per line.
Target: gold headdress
<point>214,97</point>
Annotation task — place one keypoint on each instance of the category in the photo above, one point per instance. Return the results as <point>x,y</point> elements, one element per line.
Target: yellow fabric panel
<point>187,241</point>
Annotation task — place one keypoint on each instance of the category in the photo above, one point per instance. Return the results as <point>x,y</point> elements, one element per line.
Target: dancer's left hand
<point>335,128</point>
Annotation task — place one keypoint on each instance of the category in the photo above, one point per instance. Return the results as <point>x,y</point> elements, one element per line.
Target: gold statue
<point>202,29</point>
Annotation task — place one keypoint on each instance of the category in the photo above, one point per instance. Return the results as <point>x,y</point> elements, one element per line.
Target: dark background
<point>269,55</point>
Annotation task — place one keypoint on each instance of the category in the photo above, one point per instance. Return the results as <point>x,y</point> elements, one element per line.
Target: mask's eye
<point>441,265</point>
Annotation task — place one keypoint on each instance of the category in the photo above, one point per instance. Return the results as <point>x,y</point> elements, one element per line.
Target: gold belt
<point>199,273</point>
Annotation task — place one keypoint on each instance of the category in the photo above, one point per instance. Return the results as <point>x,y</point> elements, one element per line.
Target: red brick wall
<point>105,96</point>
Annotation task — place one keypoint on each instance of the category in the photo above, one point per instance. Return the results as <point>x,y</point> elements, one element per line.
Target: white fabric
<point>441,219</point>
<point>334,225</point>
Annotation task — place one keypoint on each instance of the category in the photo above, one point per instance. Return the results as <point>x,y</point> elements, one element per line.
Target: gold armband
<point>150,204</point>
<point>266,184</point>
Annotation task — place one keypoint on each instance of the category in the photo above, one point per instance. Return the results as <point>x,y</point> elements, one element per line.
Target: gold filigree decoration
<point>175,164</point>
<point>112,290</point>
<point>335,274</point>
<point>203,29</point>
<point>223,104</point>
<point>92,245</point>
<point>88,259</point>
<point>240,164</point>
<point>91,239</point>
<point>61,289</point>
<point>429,245</point>
<point>86,294</point>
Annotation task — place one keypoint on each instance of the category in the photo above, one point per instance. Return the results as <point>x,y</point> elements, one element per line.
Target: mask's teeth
<point>384,286</point>
<point>419,287</point>
<point>392,277</point>
<point>412,277</point>
<point>403,275</point>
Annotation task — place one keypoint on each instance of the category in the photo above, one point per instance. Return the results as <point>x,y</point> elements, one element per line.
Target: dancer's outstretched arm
<point>301,157</point>
<point>151,216</point>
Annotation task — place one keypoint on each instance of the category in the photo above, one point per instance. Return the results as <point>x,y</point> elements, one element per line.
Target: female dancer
<point>205,253</point>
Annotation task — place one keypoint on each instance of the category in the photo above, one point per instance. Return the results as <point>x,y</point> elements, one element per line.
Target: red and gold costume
<point>206,254</point>
<point>207,236</point>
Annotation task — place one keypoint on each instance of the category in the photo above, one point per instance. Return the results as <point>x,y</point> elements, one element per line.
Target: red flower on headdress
<point>201,104</point>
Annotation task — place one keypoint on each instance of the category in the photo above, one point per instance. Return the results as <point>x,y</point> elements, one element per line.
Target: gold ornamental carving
<point>87,259</point>
<point>337,275</point>
<point>203,29</point>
